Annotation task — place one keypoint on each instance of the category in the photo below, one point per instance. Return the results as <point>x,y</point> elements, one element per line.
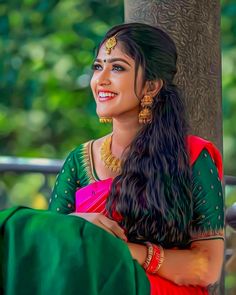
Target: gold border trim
<point>207,235</point>
<point>86,162</point>
<point>91,160</point>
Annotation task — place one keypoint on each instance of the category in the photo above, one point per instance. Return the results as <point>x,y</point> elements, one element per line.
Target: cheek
<point>129,99</point>
<point>93,83</point>
<point>131,94</point>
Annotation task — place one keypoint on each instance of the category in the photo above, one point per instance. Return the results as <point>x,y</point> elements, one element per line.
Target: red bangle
<point>149,255</point>
<point>154,259</point>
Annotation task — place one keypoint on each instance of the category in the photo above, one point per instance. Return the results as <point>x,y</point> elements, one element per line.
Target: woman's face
<point>113,84</point>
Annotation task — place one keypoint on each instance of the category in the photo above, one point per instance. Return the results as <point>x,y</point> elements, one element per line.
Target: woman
<point>148,182</point>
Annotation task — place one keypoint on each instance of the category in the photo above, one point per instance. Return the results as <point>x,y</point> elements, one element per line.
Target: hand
<point>138,252</point>
<point>104,222</point>
<point>197,270</point>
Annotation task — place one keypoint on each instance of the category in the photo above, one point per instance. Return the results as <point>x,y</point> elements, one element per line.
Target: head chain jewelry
<point>110,44</point>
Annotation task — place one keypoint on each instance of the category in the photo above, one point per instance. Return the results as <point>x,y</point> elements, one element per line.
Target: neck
<point>123,134</point>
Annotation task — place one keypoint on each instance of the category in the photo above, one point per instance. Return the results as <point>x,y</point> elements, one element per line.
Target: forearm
<point>186,267</point>
<point>183,267</point>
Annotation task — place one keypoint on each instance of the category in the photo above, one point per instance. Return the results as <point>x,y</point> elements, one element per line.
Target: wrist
<point>138,252</point>
<point>154,258</point>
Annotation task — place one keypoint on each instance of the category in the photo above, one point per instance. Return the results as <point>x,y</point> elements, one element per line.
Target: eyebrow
<point>111,60</point>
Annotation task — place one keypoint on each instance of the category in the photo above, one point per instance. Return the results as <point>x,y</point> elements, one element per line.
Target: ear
<point>153,87</point>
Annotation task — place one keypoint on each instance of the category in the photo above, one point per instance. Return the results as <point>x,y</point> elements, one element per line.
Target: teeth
<point>106,94</point>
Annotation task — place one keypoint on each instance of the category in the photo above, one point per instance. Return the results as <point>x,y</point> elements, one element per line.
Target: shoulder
<point>200,147</point>
<point>98,142</point>
<point>84,146</point>
<point>79,150</point>
<point>75,157</point>
<point>203,160</point>
<point>83,154</point>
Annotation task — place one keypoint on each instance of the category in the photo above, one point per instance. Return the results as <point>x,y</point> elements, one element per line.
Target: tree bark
<point>195,27</point>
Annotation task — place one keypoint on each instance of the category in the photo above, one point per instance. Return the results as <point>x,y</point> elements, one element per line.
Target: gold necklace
<point>109,160</point>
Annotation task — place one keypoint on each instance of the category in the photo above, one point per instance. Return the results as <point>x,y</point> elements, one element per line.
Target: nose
<point>103,78</point>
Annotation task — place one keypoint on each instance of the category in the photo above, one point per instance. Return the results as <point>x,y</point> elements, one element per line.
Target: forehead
<point>116,52</point>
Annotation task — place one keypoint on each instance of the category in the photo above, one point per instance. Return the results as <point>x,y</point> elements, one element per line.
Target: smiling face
<point>113,84</point>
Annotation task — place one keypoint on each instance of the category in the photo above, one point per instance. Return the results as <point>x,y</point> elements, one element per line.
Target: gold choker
<point>110,161</point>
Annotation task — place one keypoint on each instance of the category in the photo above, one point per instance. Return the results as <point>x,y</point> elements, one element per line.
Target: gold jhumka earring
<point>109,45</point>
<point>145,115</point>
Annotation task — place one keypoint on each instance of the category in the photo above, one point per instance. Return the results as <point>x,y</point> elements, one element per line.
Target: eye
<point>118,68</point>
<point>96,67</point>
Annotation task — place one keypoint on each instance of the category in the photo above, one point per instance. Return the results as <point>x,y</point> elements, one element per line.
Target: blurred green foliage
<point>46,52</point>
<point>46,106</point>
<point>228,33</point>
<point>46,49</point>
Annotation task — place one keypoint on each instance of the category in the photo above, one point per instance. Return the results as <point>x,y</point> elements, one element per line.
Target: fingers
<point>101,225</point>
<point>113,227</point>
<point>104,222</point>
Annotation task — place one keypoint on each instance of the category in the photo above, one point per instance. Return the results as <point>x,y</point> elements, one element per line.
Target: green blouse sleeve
<point>208,202</point>
<point>63,194</point>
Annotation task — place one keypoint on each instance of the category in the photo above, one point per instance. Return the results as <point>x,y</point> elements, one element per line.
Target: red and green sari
<point>50,253</point>
<point>78,188</point>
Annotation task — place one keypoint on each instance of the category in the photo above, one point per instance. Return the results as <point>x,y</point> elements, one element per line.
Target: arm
<point>103,222</point>
<point>63,195</point>
<point>201,264</point>
<point>198,266</point>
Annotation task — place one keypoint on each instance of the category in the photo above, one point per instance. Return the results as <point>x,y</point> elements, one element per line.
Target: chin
<point>104,114</point>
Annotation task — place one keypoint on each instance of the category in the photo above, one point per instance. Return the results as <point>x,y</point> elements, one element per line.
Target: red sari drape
<point>92,198</point>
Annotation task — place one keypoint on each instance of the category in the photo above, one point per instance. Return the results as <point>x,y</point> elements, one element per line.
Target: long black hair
<point>153,192</point>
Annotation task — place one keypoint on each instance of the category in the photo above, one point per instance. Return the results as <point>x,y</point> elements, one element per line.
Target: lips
<point>106,95</point>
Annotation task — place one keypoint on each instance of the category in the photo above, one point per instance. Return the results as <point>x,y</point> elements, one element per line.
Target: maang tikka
<point>145,115</point>
<point>110,44</point>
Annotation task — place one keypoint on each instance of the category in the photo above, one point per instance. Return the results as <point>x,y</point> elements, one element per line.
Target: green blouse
<point>208,204</point>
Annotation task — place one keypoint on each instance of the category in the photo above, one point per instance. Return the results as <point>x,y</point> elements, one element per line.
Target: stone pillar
<point>195,28</point>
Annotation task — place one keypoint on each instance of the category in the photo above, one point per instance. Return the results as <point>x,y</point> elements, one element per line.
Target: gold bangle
<point>162,258</point>
<point>149,255</point>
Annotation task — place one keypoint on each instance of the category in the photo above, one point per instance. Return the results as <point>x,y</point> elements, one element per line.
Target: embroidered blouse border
<point>87,159</point>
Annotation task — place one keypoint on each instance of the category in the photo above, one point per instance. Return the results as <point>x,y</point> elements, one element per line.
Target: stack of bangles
<point>154,259</point>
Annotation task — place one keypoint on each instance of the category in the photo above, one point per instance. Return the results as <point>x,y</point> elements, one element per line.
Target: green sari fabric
<point>45,253</point>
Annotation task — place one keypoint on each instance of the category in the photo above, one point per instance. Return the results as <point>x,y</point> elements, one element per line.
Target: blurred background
<point>46,106</point>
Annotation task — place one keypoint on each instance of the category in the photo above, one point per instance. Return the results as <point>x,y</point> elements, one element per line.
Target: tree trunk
<point>195,27</point>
